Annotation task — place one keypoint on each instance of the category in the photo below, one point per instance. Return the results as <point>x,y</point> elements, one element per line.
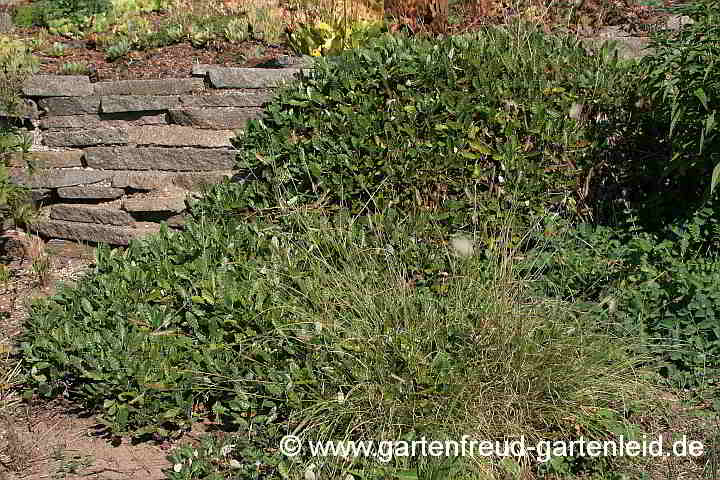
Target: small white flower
<point>235,465</point>
<point>462,246</point>
<point>501,179</point>
<point>341,397</point>
<point>177,467</point>
<point>225,451</point>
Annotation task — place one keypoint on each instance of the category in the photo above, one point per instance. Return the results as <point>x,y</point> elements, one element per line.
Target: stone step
<point>112,120</point>
<point>91,214</point>
<point>155,158</point>
<point>56,178</point>
<point>90,192</point>
<point>234,77</point>
<point>58,86</point>
<point>165,86</point>
<point>63,159</point>
<point>214,118</point>
<point>192,181</point>
<point>166,201</point>
<point>91,232</point>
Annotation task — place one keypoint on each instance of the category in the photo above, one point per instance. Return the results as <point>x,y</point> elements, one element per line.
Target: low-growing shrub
<point>467,127</point>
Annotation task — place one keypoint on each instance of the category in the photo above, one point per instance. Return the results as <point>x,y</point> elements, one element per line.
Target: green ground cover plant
<point>266,331</point>
<point>320,292</point>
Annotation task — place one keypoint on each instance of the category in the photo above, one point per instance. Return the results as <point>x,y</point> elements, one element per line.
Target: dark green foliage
<point>678,142</point>
<point>467,127</point>
<point>661,289</point>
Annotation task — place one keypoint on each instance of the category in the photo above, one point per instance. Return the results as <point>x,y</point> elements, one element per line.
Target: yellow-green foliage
<point>17,63</point>
<point>324,39</point>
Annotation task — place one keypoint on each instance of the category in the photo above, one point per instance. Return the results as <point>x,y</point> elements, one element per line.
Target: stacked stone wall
<point>113,160</point>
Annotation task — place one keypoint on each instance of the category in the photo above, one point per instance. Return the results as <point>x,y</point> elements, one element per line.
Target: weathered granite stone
<point>176,221</point>
<point>90,192</point>
<point>91,232</point>
<point>63,159</point>
<point>159,180</point>
<point>251,99</point>
<point>70,105</point>
<point>56,178</point>
<point>232,77</point>
<point>178,136</point>
<point>111,120</point>
<point>172,159</point>
<point>215,118</point>
<point>58,86</point>
<point>138,103</point>
<point>86,138</point>
<point>90,214</point>
<point>173,202</point>
<point>167,86</point>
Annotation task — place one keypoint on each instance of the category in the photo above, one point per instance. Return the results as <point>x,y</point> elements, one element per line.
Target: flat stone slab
<point>91,214</point>
<point>63,159</point>
<point>113,120</point>
<point>251,99</point>
<point>56,178</point>
<point>138,103</point>
<point>170,159</point>
<point>167,86</point>
<point>235,77</point>
<point>70,105</point>
<point>91,232</point>
<point>86,138</point>
<point>90,192</point>
<point>149,181</point>
<point>215,118</point>
<point>179,136</point>
<point>174,202</point>
<point>58,86</point>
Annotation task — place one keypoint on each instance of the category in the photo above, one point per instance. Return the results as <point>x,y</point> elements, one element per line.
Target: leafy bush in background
<point>677,149</point>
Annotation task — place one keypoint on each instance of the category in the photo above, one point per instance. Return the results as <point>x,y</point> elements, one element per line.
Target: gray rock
<point>90,214</point>
<point>70,105</point>
<point>149,181</point>
<point>64,159</point>
<point>215,118</point>
<point>56,178</point>
<point>252,99</point>
<point>86,138</point>
<point>90,192</point>
<point>91,232</point>
<point>58,86</point>
<point>111,120</point>
<point>137,103</point>
<point>171,159</point>
<point>174,202</point>
<point>230,77</point>
<point>167,86</point>
<point>179,136</point>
